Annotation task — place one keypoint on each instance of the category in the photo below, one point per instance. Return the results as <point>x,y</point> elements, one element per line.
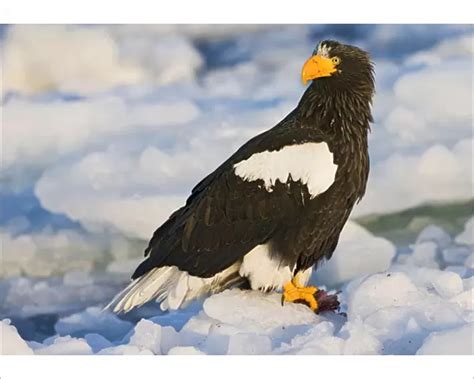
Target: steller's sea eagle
<point>276,207</point>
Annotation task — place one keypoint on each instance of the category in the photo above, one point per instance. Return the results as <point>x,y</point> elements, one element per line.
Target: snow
<point>11,342</point>
<point>412,300</point>
<point>467,236</point>
<point>249,343</point>
<point>66,345</point>
<point>93,320</point>
<point>434,234</point>
<point>147,335</point>
<point>147,87</point>
<point>381,291</point>
<point>448,284</point>
<point>125,350</point>
<point>358,253</point>
<point>457,341</point>
<point>251,311</point>
<point>185,350</point>
<point>456,255</point>
<point>121,151</point>
<point>424,254</point>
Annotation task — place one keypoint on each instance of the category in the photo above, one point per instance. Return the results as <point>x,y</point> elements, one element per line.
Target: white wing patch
<point>311,163</point>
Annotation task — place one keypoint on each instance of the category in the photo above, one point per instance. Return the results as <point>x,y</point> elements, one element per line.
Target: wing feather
<point>226,216</point>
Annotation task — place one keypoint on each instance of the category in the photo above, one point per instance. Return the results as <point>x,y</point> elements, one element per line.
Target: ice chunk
<point>11,342</point>
<point>125,350</point>
<point>408,338</point>
<point>456,255</point>
<point>379,291</point>
<point>448,284</point>
<point>434,314</point>
<point>26,296</point>
<point>424,254</point>
<point>469,263</point>
<point>158,339</point>
<point>77,279</point>
<point>460,270</point>
<point>457,341</point>
<point>147,335</point>
<point>467,235</point>
<point>468,283</point>
<point>319,339</point>
<point>49,252</point>
<point>185,350</point>
<point>196,330</point>
<point>217,342</point>
<point>247,343</point>
<point>169,339</point>
<point>97,342</point>
<point>94,320</point>
<point>359,339</point>
<point>256,311</point>
<point>434,234</point>
<point>465,299</point>
<point>66,345</point>
<point>358,253</point>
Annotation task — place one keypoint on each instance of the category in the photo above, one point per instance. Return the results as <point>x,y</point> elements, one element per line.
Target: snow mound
<point>434,234</point>
<point>424,254</point>
<point>434,248</point>
<point>458,341</point>
<point>28,296</point>
<point>185,350</point>
<point>358,253</point>
<point>419,301</point>
<point>402,311</point>
<point>11,342</point>
<point>254,311</point>
<point>448,284</point>
<point>382,291</point>
<point>66,345</point>
<point>456,255</point>
<point>125,350</point>
<point>467,236</point>
<point>93,320</point>
<point>153,337</point>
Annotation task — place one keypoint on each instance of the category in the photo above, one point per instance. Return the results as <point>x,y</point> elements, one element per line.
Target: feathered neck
<point>331,103</point>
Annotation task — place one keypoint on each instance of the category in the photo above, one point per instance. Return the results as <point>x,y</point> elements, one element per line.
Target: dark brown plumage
<point>227,216</point>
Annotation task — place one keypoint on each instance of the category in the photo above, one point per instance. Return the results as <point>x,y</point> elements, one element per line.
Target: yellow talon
<point>292,292</point>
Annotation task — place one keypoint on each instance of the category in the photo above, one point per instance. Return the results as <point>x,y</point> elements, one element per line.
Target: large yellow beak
<point>317,67</point>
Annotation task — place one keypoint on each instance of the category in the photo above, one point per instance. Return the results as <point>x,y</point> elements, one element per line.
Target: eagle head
<point>340,66</point>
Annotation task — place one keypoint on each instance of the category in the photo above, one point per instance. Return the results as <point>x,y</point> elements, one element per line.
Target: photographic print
<point>224,189</point>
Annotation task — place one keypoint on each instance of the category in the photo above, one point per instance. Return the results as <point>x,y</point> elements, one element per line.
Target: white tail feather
<point>153,284</point>
<point>169,286</point>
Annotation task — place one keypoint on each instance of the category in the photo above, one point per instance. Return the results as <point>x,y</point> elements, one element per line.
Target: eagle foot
<point>293,293</point>
<point>318,300</point>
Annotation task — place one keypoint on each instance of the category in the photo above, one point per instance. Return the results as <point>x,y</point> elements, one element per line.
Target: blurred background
<point>106,129</point>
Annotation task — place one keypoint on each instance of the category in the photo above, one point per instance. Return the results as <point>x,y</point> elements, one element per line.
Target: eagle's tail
<point>171,287</point>
<point>153,285</point>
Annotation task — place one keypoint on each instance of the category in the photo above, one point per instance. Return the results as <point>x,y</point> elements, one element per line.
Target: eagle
<point>275,209</point>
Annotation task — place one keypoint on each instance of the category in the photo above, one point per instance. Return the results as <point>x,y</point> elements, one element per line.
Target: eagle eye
<point>336,60</point>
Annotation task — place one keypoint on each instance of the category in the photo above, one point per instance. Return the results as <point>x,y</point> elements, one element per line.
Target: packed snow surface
<point>417,300</point>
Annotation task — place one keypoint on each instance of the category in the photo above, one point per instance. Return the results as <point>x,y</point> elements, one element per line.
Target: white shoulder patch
<point>310,163</point>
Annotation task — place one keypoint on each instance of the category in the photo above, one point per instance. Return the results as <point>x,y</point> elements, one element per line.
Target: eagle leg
<point>293,292</point>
